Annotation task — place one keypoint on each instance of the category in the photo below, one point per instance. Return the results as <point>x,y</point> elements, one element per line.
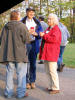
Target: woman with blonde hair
<point>49,52</point>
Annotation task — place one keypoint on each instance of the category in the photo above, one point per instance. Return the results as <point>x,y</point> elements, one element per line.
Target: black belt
<point>32,41</point>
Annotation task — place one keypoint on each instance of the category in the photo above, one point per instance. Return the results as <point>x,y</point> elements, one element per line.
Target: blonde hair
<point>55,18</point>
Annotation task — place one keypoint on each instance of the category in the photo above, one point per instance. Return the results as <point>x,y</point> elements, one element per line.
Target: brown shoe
<point>61,68</point>
<point>41,62</point>
<point>32,85</point>
<point>28,86</point>
<point>54,91</point>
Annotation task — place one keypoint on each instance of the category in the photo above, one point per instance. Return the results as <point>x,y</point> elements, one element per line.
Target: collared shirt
<point>30,23</point>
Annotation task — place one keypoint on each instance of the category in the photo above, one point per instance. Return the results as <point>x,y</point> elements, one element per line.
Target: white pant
<point>52,75</point>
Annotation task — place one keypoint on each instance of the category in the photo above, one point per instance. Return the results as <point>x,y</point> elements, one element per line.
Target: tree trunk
<point>60,9</point>
<point>74,22</point>
<point>40,6</point>
<point>33,1</point>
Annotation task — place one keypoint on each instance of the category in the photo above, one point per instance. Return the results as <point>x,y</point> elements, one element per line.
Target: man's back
<point>14,37</point>
<point>65,34</point>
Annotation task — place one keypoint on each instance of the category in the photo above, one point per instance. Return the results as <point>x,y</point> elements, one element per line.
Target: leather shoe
<point>28,86</point>
<point>41,62</point>
<point>54,91</point>
<point>33,85</point>
<point>60,69</point>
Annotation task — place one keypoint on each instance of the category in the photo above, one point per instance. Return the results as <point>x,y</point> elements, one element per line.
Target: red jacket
<point>51,48</point>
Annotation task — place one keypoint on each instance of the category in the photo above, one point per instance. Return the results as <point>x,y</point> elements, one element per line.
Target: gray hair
<point>55,18</point>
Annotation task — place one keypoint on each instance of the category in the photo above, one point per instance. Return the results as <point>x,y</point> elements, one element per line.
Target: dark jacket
<point>38,30</point>
<point>14,36</point>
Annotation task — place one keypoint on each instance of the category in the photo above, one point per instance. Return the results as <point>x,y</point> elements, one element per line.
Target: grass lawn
<point>69,55</point>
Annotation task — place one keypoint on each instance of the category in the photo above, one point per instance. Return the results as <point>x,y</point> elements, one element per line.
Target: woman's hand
<point>42,34</point>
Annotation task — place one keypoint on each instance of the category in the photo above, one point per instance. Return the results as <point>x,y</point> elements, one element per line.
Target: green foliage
<point>45,7</point>
<point>4,18</point>
<point>69,55</point>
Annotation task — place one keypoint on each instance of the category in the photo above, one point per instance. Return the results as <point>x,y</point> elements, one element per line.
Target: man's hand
<point>34,34</point>
<point>31,31</point>
<point>42,34</point>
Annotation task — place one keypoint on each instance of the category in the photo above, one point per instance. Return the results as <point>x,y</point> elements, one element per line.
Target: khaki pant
<point>51,71</point>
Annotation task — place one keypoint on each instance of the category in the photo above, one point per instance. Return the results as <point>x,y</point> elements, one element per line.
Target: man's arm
<point>25,34</point>
<point>3,33</point>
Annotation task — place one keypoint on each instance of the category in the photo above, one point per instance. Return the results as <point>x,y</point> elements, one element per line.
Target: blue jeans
<point>21,70</point>
<point>60,59</point>
<point>31,71</point>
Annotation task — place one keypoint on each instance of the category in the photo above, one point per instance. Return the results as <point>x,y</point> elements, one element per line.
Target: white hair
<point>55,18</point>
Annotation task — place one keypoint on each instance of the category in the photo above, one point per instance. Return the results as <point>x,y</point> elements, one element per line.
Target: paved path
<point>67,85</point>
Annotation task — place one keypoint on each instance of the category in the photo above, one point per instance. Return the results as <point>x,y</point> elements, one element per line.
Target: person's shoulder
<point>6,24</point>
<point>22,24</point>
<point>61,25</point>
<point>43,22</point>
<point>36,21</point>
<point>56,28</point>
<point>24,19</point>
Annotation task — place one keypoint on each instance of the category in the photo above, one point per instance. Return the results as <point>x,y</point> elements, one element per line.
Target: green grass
<point>69,55</point>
